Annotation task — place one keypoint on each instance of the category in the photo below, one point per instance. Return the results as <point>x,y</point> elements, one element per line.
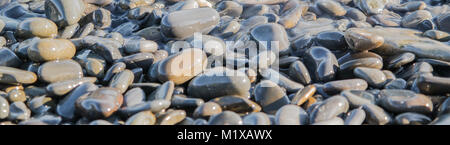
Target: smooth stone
<point>226,28</point>
<point>332,121</point>
<point>441,120</point>
<point>358,55</point>
<point>400,101</point>
<point>64,12</point>
<point>385,19</point>
<point>113,70</point>
<point>333,40</point>
<point>399,60</point>
<point>292,13</point>
<point>207,109</point>
<point>130,4</point>
<point>409,6</point>
<point>18,111</point>
<point>237,104</point>
<point>332,8</point>
<point>211,45</point>
<point>184,23</point>
<point>281,79</point>
<point>219,81</point>
<point>270,96</point>
<point>263,60</point>
<point>356,14</point>
<point>100,18</point>
<point>443,22</point>
<point>375,115</point>
<point>330,108</point>
<point>66,106</point>
<point>4,108</point>
<point>51,49</point>
<point>410,118</point>
<point>374,77</point>
<point>17,95</point>
<point>225,118</point>
<point>415,69</point>
<point>11,75</point>
<point>107,48</point>
<point>163,92</point>
<point>101,103</point>
<point>64,87</point>
<point>41,105</point>
<point>121,81</point>
<point>182,67</point>
<point>171,117</point>
<point>301,45</point>
<point>396,84</point>
<point>437,35</point>
<point>256,118</point>
<point>303,95</point>
<point>133,97</point>
<point>60,70</point>
<point>298,72</point>
<point>442,67</point>
<point>360,40</point>
<point>9,58</point>
<point>321,63</point>
<point>139,60</point>
<point>433,84</point>
<point>357,98</point>
<point>347,68</point>
<point>186,121</point>
<point>291,115</point>
<point>355,117</point>
<point>137,46</point>
<point>69,31</point>
<point>265,34</point>
<point>154,106</point>
<point>37,27</point>
<point>338,86</point>
<point>142,118</point>
<point>100,122</point>
<point>229,8</point>
<point>414,19</point>
<point>371,7</point>
<point>34,91</point>
<point>181,101</point>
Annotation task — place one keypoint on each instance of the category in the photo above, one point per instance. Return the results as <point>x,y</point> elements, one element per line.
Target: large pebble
<point>207,109</point>
<point>374,77</point>
<point>64,12</point>
<point>182,67</point>
<point>51,49</point>
<point>225,118</point>
<point>39,27</point>
<point>330,108</point>
<point>66,106</point>
<point>291,115</point>
<point>371,7</point>
<point>11,75</point>
<point>142,118</point>
<point>101,103</point>
<point>19,111</point>
<point>375,115</point>
<point>335,87</point>
<point>355,117</point>
<point>321,63</point>
<point>256,118</point>
<point>122,80</point>
<point>360,40</point>
<point>4,108</point>
<point>270,96</point>
<point>410,118</point>
<point>357,98</point>
<point>237,104</point>
<point>268,34</point>
<point>400,101</point>
<point>171,117</point>
<point>9,58</point>
<point>60,70</point>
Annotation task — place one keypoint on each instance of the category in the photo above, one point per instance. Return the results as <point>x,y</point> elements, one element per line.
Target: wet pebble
<point>225,118</point>
<point>101,103</point>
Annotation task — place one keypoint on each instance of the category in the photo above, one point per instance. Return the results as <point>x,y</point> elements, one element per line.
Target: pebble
<point>256,118</point>
<point>437,35</point>
<point>321,63</point>
<point>64,12</point>
<point>376,115</point>
<point>142,118</point>
<point>400,101</point>
<point>401,59</point>
<point>332,8</point>
<point>122,80</point>
<point>18,111</point>
<point>184,23</point>
<point>291,115</point>
<point>374,77</point>
<point>360,40</point>
<point>163,92</point>
<point>134,97</point>
<point>37,27</point>
<point>357,98</point>
<point>51,49</point>
<point>237,104</point>
<point>370,7</point>
<point>410,118</point>
<point>417,18</point>
<point>4,108</point>
<point>303,95</point>
<point>230,8</point>
<point>332,121</point>
<point>396,84</point>
<point>41,105</point>
<point>17,95</point>
<point>60,70</point>
<point>226,118</point>
<point>355,117</point>
<point>265,34</point>
<point>186,64</point>
<point>433,84</point>
<point>330,108</point>
<point>171,117</point>
<point>101,103</point>
<point>11,75</point>
<point>9,58</point>
<point>207,109</point>
<point>219,81</point>
<point>335,87</point>
<point>299,73</point>
<point>270,96</point>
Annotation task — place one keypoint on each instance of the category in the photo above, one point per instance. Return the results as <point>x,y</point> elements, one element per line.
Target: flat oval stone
<point>347,68</point>
<point>171,117</point>
<point>37,27</point>
<point>281,79</point>
<point>396,84</point>
<point>184,23</point>
<point>355,117</point>
<point>414,19</point>
<point>321,63</point>
<point>356,14</point>
<point>237,104</point>
<point>265,34</point>
<point>63,87</point>
<point>376,115</point>
<point>101,103</point>
<point>66,106</point>
<point>270,96</point>
<point>332,8</point>
<point>291,115</point>
<point>163,92</point>
<point>410,118</point>
<point>136,46</point>
<point>330,108</point>
<point>357,98</point>
<point>219,81</point>
<point>299,73</point>
<point>374,77</point>
<point>433,84</point>
<point>64,12</point>
<point>335,87</point>
<point>60,70</point>
<point>256,118</point>
<point>19,111</point>
<point>303,95</point>
<point>399,60</point>
<point>225,118</point>
<point>437,35</point>
<point>133,97</point>
<point>4,108</point>
<point>114,69</point>
<point>360,40</point>
<point>51,49</point>
<point>207,109</point>
<point>182,66</point>
<point>292,14</point>
<point>371,7</point>
<point>142,118</point>
<point>400,101</point>
<point>333,40</point>
<point>122,80</point>
<point>180,101</point>
<point>154,106</point>
<point>11,75</point>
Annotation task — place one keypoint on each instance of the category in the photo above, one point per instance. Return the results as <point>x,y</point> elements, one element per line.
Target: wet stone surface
<point>224,62</point>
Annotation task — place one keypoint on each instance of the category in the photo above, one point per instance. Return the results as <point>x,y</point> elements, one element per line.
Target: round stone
<point>330,108</point>
<point>291,115</point>
<point>207,109</point>
<point>37,27</point>
<point>60,70</point>
<point>51,49</point>
<point>182,67</point>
